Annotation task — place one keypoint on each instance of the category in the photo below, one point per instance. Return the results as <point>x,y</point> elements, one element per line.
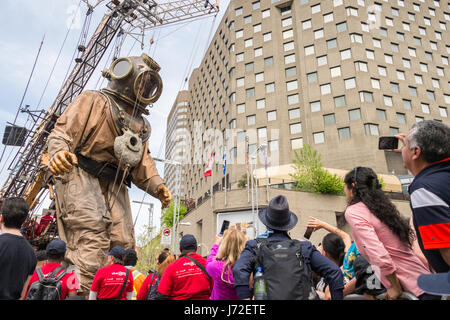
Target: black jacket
<point>315,261</point>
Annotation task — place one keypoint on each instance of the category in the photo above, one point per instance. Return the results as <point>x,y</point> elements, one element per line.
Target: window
<point>427,21</point>
<point>315,8</point>
<point>425,108</point>
<point>289,58</point>
<point>294,114</point>
<point>270,87</point>
<point>394,131</point>
<point>288,46</point>
<point>355,37</point>
<point>351,11</point>
<point>365,27</point>
<point>265,13</point>
<point>273,145</point>
<point>251,120</point>
<point>332,43</point>
<point>315,106</point>
<point>376,43</point>
<point>418,119</point>
<point>389,22</point>
<point>406,26</point>
<point>240,108</point>
<point>435,83</point>
<point>418,78</point>
<point>406,63</point>
<point>335,71</point>
<point>260,104</point>
<point>296,143</point>
<point>256,5</point>
<point>422,31</point>
<point>288,34</point>
<point>325,88</point>
<point>295,128</point>
<point>346,54</point>
<point>341,27</point>
<point>440,71</point>
<point>312,77</point>
<point>401,118</point>
<point>328,17</point>
<point>238,11</point>
<point>309,50</point>
<point>371,129</point>
<point>387,101</point>
<point>400,75</point>
<point>329,119</point>
<point>366,96</point>
<point>267,36</point>
<point>383,32</point>
<point>239,57</point>
<point>272,115</point>
<point>344,133</point>
<point>430,95</point>
<point>400,36</point>
<point>293,99</point>
<point>286,22</point>
<point>239,34</point>
<point>233,124</point>
<point>388,59</point>
<point>412,52</point>
<point>428,56</point>
<point>248,43</point>
<point>381,114</point>
<point>443,112</point>
<point>361,66</point>
<point>394,47</point>
<point>259,77</point>
<point>247,19</point>
<point>250,92</point>
<point>291,85</point>
<point>375,83</point>
<point>249,67</point>
<point>319,137</point>
<point>413,91</point>
<point>268,61</point>
<point>318,34</point>
<point>290,72</point>
<point>350,83</point>
<point>354,114</point>
<point>407,104</point>
<point>395,12</point>
<point>257,28</point>
<point>370,54</point>
<point>306,24</point>
<point>394,87</point>
<point>417,41</point>
<point>322,60</point>
<point>444,60</point>
<point>339,101</point>
<point>240,82</point>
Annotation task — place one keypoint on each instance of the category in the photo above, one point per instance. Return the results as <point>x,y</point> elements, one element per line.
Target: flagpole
<point>267,175</point>
<point>212,178</point>
<point>224,159</point>
<point>248,173</point>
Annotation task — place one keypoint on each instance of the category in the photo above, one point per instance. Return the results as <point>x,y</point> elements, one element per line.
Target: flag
<point>208,170</point>
<point>224,160</point>
<point>265,158</point>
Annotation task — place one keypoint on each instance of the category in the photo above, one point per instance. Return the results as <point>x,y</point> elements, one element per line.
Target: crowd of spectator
<point>388,256</point>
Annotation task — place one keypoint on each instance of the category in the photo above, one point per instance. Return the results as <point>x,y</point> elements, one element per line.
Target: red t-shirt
<point>109,280</point>
<point>183,280</point>
<point>68,283</point>
<point>142,294</point>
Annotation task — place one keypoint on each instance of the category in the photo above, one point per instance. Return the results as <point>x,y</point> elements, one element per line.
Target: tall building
<point>332,74</point>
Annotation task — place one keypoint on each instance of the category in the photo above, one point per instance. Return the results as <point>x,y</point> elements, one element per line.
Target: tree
<point>310,176</point>
<point>242,183</point>
<point>167,214</point>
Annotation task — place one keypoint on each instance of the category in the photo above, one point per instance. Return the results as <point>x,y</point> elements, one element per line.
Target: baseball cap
<point>188,242</point>
<point>56,247</point>
<point>117,252</point>
<point>437,283</point>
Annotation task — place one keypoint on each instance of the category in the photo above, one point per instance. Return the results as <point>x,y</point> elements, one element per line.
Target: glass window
<point>247,19</point>
<point>328,17</point>
<point>376,43</point>
<point>315,106</point>
<point>267,36</point>
<point>295,128</point>
<point>418,79</point>
<point>260,104</point>
<point>430,95</point>
<point>240,82</point>
<point>344,133</point>
<point>346,54</point>
<point>335,71</point>
<point>381,114</point>
<point>355,37</point>
<point>312,77</point>
<point>257,28</point>
<point>238,11</point>
<point>351,11</point>
<point>387,101</point>
<point>256,5</point>
<point>290,72</point>
<point>435,83</point>
<point>365,27</point>
<point>319,137</point>
<point>309,50</point>
<point>239,57</point>
<point>258,52</point>
<point>318,34</point>
<point>294,113</point>
<point>239,34</point>
<point>388,58</point>
<point>354,114</point>
<point>425,108</point>
<point>272,115</point>
<point>375,83</point>
<point>289,46</point>
<point>400,75</point>
<point>306,24</point>
<point>339,101</point>
<point>394,87</point>
<point>332,43</point>
<point>289,58</point>
<point>265,13</point>
<point>401,118</point>
<point>250,92</point>
<point>268,61</point>
<point>251,120</point>
<point>325,88</point>
<point>370,54</point>
<point>270,87</point>
<point>291,85</point>
<point>322,60</point>
<point>413,91</point>
<point>259,77</point>
<point>286,22</point>
<point>407,104</point>
<point>366,96</point>
<point>443,112</point>
<point>249,67</point>
<point>315,8</point>
<point>296,143</point>
<point>371,129</point>
<point>293,99</point>
<point>240,108</point>
<point>273,145</point>
<point>350,83</point>
<point>406,63</point>
<point>288,34</point>
<point>394,131</point>
<point>361,66</point>
<point>341,27</point>
<point>329,119</point>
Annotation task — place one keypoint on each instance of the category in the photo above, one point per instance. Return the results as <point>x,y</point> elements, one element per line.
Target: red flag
<point>208,170</point>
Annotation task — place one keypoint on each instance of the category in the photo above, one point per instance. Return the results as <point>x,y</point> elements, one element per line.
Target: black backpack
<point>46,288</point>
<point>285,271</point>
<point>151,294</point>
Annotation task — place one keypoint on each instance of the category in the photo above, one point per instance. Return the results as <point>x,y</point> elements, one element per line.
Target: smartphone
<point>308,232</point>
<point>225,225</point>
<point>387,143</point>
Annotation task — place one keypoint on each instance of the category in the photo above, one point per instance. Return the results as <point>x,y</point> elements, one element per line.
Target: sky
<point>177,49</point>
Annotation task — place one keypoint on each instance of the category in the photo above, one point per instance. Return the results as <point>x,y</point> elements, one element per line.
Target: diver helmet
<point>134,80</point>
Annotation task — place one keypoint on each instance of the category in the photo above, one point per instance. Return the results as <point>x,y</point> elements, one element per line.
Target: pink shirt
<point>384,250</point>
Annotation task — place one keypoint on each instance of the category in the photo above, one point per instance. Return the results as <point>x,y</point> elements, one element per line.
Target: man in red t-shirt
<point>184,279</point>
<point>56,250</point>
<point>109,280</point>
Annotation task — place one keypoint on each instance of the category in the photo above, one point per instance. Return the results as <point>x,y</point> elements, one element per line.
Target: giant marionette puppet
<point>99,146</point>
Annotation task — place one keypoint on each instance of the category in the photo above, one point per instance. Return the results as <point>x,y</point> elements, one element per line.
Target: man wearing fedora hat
<point>279,220</point>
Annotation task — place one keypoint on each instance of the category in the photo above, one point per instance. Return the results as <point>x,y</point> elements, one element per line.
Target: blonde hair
<point>230,249</point>
<point>164,259</point>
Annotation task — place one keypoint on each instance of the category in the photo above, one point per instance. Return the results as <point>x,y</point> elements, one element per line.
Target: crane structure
<point>27,177</point>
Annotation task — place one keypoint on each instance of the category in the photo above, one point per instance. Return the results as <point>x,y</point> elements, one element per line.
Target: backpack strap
<point>40,274</point>
<point>55,272</point>
<point>127,272</point>
<point>199,265</point>
<point>151,285</point>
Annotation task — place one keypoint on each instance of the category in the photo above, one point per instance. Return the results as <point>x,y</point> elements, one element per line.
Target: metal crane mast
<point>27,177</point>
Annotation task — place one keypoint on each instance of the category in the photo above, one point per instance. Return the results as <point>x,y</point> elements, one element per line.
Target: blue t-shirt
<point>349,259</point>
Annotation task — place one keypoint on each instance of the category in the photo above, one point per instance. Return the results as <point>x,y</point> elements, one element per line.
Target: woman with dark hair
<point>382,235</point>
